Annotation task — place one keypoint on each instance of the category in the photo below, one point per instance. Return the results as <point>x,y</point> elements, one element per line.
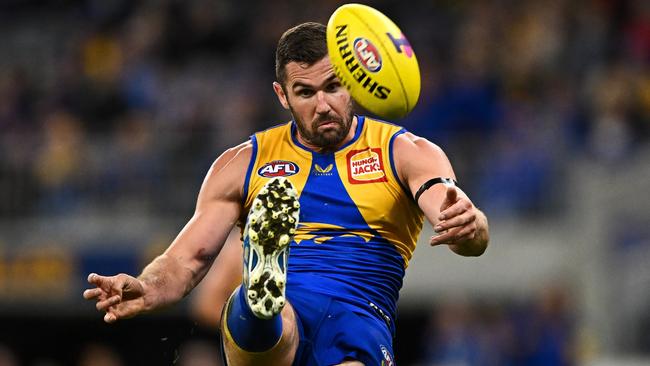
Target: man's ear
<point>282,97</point>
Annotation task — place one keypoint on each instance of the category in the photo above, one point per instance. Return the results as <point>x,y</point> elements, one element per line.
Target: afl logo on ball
<point>367,54</point>
<point>278,168</point>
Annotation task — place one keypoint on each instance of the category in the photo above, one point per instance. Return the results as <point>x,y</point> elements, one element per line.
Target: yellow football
<point>374,60</point>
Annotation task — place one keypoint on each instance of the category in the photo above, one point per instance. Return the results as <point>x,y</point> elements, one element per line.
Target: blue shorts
<point>332,331</point>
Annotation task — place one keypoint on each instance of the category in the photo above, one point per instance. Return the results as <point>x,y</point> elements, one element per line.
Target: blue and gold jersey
<point>358,224</point>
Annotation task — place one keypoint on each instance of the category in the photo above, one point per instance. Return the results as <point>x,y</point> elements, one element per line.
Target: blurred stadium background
<point>111,111</point>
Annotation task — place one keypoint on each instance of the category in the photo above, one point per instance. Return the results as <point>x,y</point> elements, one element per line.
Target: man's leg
<point>258,327</point>
<point>260,346</point>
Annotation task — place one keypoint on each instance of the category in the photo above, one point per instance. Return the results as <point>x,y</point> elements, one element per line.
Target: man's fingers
<point>105,283</point>
<point>463,234</point>
<point>92,293</point>
<point>443,238</point>
<point>450,198</point>
<point>111,301</point>
<point>110,318</point>
<point>452,193</point>
<point>108,294</point>
<point>454,236</point>
<point>122,310</point>
<point>457,221</point>
<point>455,209</point>
<point>95,279</point>
<point>440,239</point>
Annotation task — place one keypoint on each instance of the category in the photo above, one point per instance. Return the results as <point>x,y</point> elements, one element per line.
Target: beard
<point>329,139</point>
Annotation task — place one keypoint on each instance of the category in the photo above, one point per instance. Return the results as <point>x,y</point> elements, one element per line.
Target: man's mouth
<point>327,124</point>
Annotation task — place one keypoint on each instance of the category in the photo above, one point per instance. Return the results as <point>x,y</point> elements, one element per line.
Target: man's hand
<point>120,296</point>
<point>460,225</point>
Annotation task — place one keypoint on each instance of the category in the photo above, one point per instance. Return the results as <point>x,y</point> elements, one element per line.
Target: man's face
<point>320,105</point>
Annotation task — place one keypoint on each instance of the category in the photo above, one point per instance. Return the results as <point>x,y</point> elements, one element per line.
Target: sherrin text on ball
<point>374,60</point>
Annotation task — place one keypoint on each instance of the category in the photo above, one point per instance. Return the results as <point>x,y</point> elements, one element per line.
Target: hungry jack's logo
<point>366,166</point>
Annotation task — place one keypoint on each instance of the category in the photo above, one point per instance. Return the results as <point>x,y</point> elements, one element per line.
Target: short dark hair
<point>304,43</point>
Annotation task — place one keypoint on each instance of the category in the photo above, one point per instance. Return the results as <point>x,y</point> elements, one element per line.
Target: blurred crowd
<point>539,332</point>
<point>191,353</point>
<point>121,106</point>
<point>115,104</point>
<point>457,331</point>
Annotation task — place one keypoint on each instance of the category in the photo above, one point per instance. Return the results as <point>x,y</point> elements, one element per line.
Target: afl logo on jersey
<point>278,168</point>
<point>367,54</point>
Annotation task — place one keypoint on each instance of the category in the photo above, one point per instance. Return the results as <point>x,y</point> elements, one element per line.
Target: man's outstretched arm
<point>173,274</point>
<point>459,224</point>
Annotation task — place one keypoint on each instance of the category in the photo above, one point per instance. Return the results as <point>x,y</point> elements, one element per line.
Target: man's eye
<point>305,93</point>
<point>333,87</point>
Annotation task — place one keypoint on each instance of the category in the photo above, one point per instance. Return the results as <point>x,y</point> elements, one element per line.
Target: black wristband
<point>430,183</point>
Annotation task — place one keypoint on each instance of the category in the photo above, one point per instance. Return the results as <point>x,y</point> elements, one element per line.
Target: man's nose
<point>322,105</point>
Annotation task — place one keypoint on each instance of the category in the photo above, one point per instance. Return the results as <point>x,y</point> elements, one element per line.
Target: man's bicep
<point>419,160</point>
<point>226,177</point>
<point>218,208</point>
